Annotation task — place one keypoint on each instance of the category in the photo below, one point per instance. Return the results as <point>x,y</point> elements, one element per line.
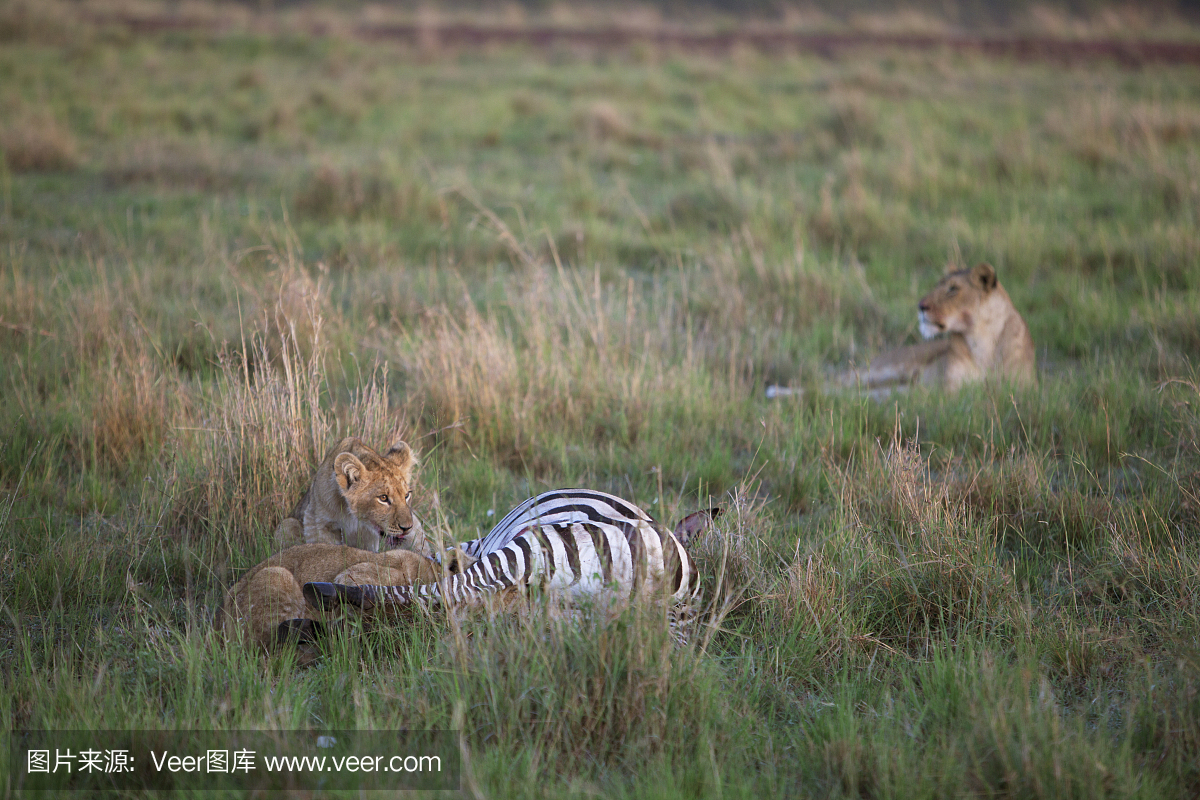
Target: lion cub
<point>988,340</point>
<point>267,605</point>
<point>359,498</point>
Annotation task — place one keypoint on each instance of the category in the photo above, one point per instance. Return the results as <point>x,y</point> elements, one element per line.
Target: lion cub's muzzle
<point>396,537</point>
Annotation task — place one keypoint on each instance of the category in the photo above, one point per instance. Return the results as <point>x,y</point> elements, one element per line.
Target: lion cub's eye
<point>953,289</point>
<point>383,498</point>
<point>408,497</point>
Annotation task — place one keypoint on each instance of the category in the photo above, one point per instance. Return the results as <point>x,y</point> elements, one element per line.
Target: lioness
<point>988,340</point>
<point>359,498</point>
<point>267,605</point>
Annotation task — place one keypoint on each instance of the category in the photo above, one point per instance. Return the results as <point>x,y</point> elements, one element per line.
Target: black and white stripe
<point>576,542</point>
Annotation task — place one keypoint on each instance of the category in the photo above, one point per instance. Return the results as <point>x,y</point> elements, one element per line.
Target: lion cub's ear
<point>347,469</point>
<point>405,453</point>
<point>985,276</point>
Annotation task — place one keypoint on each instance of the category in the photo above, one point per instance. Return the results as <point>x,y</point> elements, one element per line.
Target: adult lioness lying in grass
<point>988,340</point>
<point>360,498</point>
<point>267,605</point>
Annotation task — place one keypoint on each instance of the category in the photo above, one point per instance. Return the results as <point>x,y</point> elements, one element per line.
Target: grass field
<point>221,252</point>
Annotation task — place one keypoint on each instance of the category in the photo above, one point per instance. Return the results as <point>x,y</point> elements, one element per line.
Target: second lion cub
<point>268,606</point>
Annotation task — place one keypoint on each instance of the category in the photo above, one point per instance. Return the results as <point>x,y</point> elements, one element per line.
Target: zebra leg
<point>299,631</point>
<point>683,624</point>
<point>303,635</point>
<point>324,595</point>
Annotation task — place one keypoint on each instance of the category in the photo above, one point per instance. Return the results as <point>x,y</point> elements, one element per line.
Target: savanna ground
<point>219,252</point>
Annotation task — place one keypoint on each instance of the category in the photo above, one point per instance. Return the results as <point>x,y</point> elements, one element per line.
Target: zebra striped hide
<point>578,543</point>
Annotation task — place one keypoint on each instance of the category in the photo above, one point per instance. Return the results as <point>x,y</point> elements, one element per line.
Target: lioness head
<point>376,489</point>
<point>950,305</point>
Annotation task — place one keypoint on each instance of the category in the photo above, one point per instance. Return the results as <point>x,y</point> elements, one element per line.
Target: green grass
<point>220,253</point>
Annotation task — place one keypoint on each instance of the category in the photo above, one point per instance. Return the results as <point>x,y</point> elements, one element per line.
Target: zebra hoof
<point>322,595</point>
<point>299,631</point>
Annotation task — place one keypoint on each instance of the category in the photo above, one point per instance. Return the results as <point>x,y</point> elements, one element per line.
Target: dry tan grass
<point>603,121</point>
<point>380,190</point>
<point>175,160</point>
<point>1111,131</point>
<point>121,396</point>
<point>562,356</point>
<point>812,592</point>
<point>1126,20</point>
<point>133,408</point>
<point>734,551</point>
<point>907,21</point>
<point>264,425</point>
<point>23,305</point>
<point>849,212</point>
<point>932,571</point>
<point>37,142</point>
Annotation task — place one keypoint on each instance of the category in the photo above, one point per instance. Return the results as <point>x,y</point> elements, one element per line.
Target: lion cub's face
<point>949,307</point>
<point>376,490</point>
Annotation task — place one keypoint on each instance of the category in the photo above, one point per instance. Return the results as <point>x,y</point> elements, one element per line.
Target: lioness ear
<point>347,469</point>
<point>985,276</point>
